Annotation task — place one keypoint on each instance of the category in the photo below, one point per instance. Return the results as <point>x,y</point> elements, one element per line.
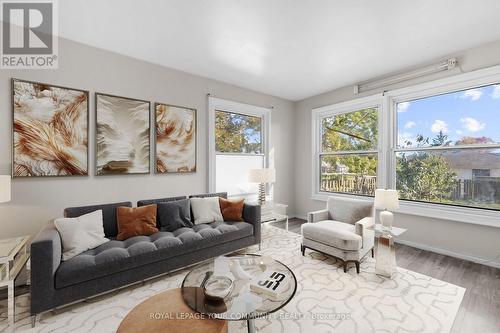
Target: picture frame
<point>119,151</point>
<point>176,151</point>
<point>50,136</point>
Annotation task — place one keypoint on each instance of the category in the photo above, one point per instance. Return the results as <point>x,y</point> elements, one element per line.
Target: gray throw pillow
<point>174,215</point>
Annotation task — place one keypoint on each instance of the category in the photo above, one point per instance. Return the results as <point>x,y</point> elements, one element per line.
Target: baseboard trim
<point>492,262</point>
<point>297,216</point>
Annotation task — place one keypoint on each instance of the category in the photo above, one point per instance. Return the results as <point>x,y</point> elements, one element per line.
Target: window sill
<point>444,212</point>
<point>436,211</point>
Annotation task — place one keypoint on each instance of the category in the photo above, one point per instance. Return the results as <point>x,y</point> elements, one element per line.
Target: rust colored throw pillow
<point>140,221</point>
<point>231,210</point>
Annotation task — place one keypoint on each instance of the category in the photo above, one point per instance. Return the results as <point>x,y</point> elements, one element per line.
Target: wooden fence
<point>348,183</point>
<point>485,189</point>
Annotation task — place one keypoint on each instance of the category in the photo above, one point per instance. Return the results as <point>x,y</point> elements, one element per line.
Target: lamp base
<point>262,194</point>
<point>386,219</point>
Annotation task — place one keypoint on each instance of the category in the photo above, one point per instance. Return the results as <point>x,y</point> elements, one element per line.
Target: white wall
<point>35,201</point>
<point>460,239</point>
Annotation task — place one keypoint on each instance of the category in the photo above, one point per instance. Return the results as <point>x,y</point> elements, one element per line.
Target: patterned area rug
<point>327,299</point>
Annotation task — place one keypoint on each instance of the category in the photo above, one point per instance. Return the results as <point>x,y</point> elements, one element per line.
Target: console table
<point>13,258</point>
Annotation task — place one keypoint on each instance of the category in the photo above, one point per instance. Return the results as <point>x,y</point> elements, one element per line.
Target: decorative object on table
<point>385,259</point>
<point>206,210</point>
<point>5,188</point>
<point>175,144</point>
<point>79,234</point>
<point>136,221</point>
<point>341,230</point>
<point>122,135</point>
<point>262,177</point>
<point>13,258</point>
<point>232,210</point>
<point>50,130</point>
<point>217,288</point>
<point>386,200</point>
<point>271,283</point>
<point>243,305</point>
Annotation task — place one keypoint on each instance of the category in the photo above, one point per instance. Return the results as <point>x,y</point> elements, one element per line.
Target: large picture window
<point>348,154</point>
<point>437,143</point>
<point>448,148</point>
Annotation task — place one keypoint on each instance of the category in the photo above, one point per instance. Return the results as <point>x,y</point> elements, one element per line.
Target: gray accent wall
<point>37,200</point>
<point>468,241</point>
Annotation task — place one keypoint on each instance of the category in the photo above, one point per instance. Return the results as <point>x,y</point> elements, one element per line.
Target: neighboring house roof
<point>472,159</point>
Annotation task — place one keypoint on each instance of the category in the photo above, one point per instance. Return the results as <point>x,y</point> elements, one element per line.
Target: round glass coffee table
<point>242,302</point>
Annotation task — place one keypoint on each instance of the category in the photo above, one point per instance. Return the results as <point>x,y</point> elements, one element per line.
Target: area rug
<point>327,299</point>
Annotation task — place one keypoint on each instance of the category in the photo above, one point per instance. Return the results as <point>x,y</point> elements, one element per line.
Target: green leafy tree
<point>441,139</point>
<point>426,176</point>
<point>236,133</point>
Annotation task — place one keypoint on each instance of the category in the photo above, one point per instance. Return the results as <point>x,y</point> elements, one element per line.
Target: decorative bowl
<point>217,288</point>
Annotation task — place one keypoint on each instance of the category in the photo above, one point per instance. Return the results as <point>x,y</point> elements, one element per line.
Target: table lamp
<point>4,188</point>
<point>386,200</point>
<point>262,177</point>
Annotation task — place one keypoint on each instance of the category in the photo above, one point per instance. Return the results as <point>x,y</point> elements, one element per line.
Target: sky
<point>474,112</point>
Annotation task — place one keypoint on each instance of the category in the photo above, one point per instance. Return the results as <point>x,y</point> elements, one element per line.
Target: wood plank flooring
<point>480,308</point>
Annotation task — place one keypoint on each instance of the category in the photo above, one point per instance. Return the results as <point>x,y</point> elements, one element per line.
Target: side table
<point>274,212</point>
<point>13,258</point>
<point>385,257</point>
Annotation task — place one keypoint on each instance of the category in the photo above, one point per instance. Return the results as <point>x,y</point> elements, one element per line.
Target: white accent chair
<point>341,230</point>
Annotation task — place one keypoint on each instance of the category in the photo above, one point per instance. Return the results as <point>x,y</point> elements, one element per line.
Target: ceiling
<point>290,49</point>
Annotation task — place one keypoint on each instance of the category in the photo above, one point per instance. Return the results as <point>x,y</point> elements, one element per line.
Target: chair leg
<point>303,249</point>
<point>373,253</point>
<point>345,266</point>
<point>357,266</point>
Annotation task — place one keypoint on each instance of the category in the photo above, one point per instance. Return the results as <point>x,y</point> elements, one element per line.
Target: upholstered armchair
<point>341,230</point>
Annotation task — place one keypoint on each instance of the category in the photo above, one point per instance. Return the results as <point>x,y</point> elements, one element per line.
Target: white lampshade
<point>4,188</point>
<point>386,199</point>
<point>262,175</point>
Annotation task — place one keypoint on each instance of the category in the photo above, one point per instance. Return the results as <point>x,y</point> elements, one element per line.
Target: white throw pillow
<point>81,233</point>
<point>206,210</point>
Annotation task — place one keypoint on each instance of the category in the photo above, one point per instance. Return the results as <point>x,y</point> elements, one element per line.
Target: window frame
<point>388,144</point>
<point>318,114</point>
<point>219,104</point>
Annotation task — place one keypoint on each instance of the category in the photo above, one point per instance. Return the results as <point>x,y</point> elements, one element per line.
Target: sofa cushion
<point>116,256</point>
<point>333,233</point>
<point>108,215</point>
<point>157,201</point>
<point>137,221</point>
<point>232,210</point>
<point>174,215</point>
<point>349,210</point>
<point>206,210</point>
<point>79,234</point>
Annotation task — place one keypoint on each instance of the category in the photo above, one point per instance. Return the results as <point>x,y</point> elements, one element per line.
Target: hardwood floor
<point>480,308</point>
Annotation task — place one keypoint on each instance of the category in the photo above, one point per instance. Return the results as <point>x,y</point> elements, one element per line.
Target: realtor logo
<point>29,34</point>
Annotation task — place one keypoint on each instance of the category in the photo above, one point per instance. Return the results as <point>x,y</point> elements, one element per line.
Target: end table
<point>385,257</point>
<point>13,258</point>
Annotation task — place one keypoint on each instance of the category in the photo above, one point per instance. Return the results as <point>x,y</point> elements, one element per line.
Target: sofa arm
<point>251,214</point>
<point>364,223</point>
<point>46,249</point>
<point>319,215</point>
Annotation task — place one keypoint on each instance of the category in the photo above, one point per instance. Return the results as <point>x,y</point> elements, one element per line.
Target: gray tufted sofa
<point>118,263</point>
